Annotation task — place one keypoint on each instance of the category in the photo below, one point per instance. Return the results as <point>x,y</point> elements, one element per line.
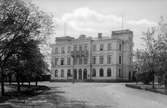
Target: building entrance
<point>75,73</point>
<point>80,74</point>
<point>85,74</point>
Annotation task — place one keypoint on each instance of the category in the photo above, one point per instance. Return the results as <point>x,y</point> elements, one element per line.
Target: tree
<point>19,23</point>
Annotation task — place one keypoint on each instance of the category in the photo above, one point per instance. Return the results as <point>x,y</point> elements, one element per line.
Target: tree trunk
<point>10,79</point>
<point>165,82</point>
<point>18,86</point>
<point>18,81</point>
<point>36,83</point>
<point>2,83</point>
<point>29,83</point>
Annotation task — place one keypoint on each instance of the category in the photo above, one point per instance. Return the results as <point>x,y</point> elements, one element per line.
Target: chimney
<point>99,35</point>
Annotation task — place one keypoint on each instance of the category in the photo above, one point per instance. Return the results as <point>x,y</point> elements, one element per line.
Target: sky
<point>90,17</point>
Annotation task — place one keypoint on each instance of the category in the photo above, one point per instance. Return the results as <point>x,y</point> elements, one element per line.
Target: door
<point>85,74</point>
<point>80,74</point>
<point>75,73</point>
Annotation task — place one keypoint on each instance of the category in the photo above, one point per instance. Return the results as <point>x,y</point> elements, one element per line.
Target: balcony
<point>79,53</point>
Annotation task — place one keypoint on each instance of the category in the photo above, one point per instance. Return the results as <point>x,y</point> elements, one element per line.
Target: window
<point>94,59</point>
<point>85,60</point>
<point>94,73</point>
<point>68,61</point>
<point>62,50</point>
<point>101,47</point>
<point>56,73</point>
<point>86,47</point>
<point>69,73</point>
<point>62,73</point>
<point>56,50</point>
<point>80,60</point>
<point>109,59</point>
<point>119,59</point>
<point>75,60</point>
<point>94,47</point>
<point>80,47</point>
<point>119,74</point>
<point>101,59</point>
<point>75,47</point>
<point>62,61</point>
<point>109,46</point>
<point>101,73</point>
<point>120,47</point>
<point>53,64</point>
<point>109,72</point>
<point>69,49</point>
<point>56,61</point>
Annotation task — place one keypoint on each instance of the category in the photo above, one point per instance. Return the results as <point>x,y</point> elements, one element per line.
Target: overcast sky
<point>75,17</point>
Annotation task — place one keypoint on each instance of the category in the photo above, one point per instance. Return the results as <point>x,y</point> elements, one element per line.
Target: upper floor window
<point>94,60</point>
<point>53,64</point>
<point>120,47</point>
<point>62,50</point>
<point>75,60</point>
<point>109,72</point>
<point>75,47</point>
<point>62,61</point>
<point>101,59</point>
<point>68,61</point>
<point>69,49</point>
<point>80,60</point>
<point>109,59</point>
<point>86,47</point>
<point>101,47</point>
<point>85,60</point>
<point>56,61</point>
<point>56,50</point>
<point>94,47</point>
<point>120,59</point>
<point>62,73</point>
<point>109,46</point>
<point>80,47</point>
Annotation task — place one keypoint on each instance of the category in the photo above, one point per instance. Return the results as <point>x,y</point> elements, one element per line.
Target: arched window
<point>109,72</point>
<point>101,72</point>
<point>56,73</point>
<point>94,73</point>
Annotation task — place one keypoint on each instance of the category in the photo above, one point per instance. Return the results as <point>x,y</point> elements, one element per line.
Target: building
<point>87,58</point>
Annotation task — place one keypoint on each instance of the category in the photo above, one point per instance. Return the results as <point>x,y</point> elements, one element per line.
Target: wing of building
<point>86,58</point>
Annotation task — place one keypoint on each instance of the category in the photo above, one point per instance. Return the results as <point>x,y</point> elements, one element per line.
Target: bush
<point>145,77</point>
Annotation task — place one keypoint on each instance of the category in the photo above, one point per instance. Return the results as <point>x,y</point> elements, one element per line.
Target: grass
<point>157,89</point>
<point>26,92</point>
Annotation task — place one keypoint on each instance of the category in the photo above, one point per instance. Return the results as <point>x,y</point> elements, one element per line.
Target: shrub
<point>145,77</point>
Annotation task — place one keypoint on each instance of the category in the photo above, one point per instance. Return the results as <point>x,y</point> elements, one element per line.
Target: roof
<point>126,31</point>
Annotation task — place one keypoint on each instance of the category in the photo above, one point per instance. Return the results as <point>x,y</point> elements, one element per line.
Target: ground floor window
<point>101,72</point>
<point>62,73</point>
<point>56,73</point>
<point>94,73</point>
<point>119,72</point>
<point>69,73</point>
<point>109,72</point>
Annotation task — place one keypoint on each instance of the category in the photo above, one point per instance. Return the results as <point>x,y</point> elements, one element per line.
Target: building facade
<point>87,58</point>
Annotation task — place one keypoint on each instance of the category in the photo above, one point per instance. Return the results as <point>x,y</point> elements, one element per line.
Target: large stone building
<point>87,58</point>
